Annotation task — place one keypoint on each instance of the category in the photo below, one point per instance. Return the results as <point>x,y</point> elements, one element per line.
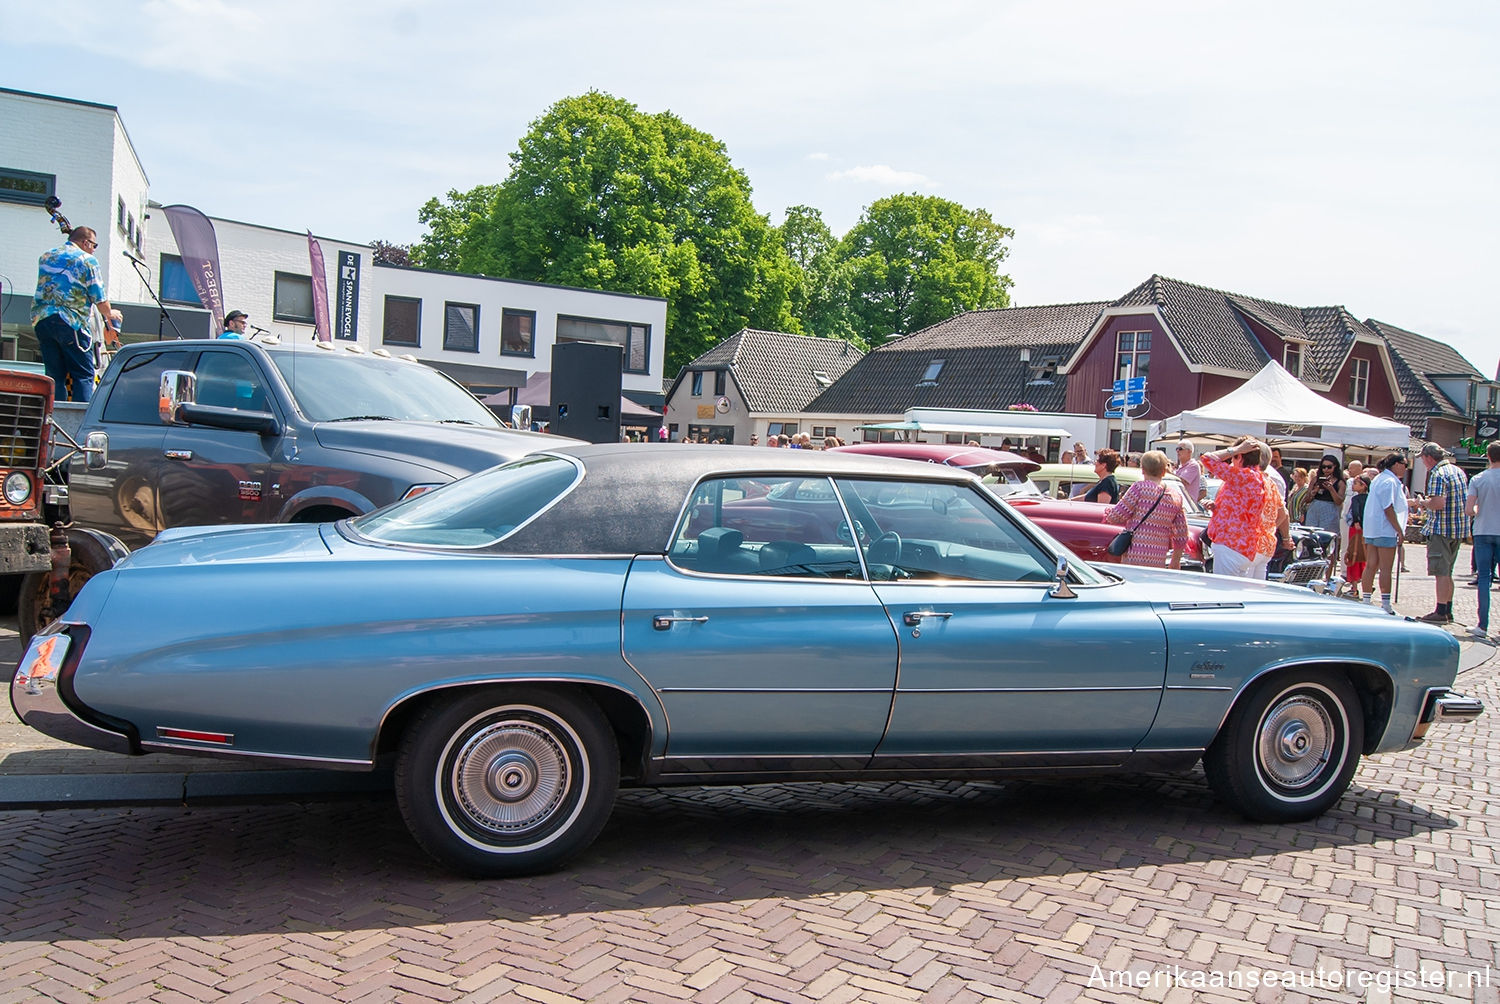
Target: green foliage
<point>820,298</point>
<point>915,260</point>
<point>603,196</point>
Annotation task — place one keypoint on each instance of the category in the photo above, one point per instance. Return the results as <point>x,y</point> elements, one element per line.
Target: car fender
<point>324,496</point>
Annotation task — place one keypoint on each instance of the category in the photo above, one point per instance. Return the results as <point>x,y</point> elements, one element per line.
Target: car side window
<point>929,530</point>
<point>229,380</point>
<point>136,391</point>
<point>782,527</point>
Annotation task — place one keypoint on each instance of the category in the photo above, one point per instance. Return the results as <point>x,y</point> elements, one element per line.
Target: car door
<point>991,664</point>
<point>762,651</point>
<point>120,495</point>
<point>217,476</point>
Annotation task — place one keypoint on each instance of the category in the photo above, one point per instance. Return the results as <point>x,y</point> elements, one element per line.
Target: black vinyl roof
<point>632,493</point>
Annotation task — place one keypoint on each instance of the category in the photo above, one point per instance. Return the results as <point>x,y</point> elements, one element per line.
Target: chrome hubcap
<point>510,776</point>
<point>1296,741</point>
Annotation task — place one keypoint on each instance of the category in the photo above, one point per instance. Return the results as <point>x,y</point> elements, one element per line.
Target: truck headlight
<point>17,487</point>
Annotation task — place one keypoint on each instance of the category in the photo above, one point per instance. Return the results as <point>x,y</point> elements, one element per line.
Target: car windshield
<point>334,387</point>
<point>475,511</point>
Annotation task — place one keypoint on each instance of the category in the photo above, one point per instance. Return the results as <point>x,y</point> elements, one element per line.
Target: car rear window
<point>476,511</point>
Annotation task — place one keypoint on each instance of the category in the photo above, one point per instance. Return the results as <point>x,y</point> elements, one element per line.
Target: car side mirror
<point>1060,588</point>
<point>178,387</point>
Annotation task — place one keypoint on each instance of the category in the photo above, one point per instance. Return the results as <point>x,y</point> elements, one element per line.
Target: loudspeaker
<point>586,379</point>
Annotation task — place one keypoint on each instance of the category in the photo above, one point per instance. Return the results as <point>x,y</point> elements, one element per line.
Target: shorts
<point>1442,552</point>
<point>1388,542</point>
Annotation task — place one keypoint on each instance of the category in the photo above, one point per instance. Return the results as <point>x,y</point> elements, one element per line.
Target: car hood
<point>451,448</point>
<point>199,545</point>
<point>1194,590</point>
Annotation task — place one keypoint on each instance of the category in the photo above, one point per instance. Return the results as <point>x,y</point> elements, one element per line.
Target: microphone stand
<point>144,273</point>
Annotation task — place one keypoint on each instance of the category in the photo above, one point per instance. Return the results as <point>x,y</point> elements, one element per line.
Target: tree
<point>390,253</point>
<point>915,260</point>
<point>604,196</point>
<point>820,300</point>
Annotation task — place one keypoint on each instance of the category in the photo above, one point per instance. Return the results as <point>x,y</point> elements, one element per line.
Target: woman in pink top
<point>1160,533</point>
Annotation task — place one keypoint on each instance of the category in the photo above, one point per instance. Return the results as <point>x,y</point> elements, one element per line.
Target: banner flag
<point>199,249</point>
<point>322,331</point>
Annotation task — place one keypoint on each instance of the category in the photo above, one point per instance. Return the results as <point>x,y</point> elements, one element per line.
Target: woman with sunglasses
<point>1327,502</point>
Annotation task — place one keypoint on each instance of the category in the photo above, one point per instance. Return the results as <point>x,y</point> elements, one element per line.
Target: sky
<point>1311,153</point>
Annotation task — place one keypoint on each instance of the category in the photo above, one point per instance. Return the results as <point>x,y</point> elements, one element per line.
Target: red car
<point>1079,526</point>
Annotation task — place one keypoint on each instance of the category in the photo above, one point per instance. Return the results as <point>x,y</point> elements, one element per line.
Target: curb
<point>72,791</point>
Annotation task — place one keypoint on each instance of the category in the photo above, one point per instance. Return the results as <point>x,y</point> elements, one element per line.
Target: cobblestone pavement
<point>963,892</point>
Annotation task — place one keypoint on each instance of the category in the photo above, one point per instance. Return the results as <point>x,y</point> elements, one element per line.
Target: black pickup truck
<point>197,433</point>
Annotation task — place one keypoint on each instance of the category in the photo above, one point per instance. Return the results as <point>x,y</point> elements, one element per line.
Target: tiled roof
<point>1416,359</point>
<point>982,367</point>
<point>1212,327</point>
<point>774,370</point>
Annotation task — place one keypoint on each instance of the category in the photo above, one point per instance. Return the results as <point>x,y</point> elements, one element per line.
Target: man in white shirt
<point>1189,470</point>
<point>1484,507</point>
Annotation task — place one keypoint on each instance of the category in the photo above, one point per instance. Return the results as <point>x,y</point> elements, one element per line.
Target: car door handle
<point>915,617</point>
<point>177,454</point>
<point>664,622</point>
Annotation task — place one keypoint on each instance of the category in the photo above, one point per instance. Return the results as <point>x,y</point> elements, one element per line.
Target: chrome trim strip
<point>1182,686</point>
<point>1028,690</point>
<point>774,690</point>
<point>1007,754</point>
<point>1205,605</point>
<point>220,751</point>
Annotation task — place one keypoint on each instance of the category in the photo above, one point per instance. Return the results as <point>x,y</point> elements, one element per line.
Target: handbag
<point>1122,540</point>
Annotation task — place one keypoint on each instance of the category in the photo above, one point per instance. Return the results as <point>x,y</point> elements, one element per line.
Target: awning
<point>978,430</point>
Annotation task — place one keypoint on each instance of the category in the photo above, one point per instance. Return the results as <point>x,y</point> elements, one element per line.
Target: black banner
<point>346,317</point>
<point>1487,426</point>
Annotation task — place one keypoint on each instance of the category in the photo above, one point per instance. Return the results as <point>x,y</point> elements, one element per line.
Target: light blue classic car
<point>525,640</point>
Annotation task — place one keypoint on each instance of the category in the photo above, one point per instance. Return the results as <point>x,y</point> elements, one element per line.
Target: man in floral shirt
<point>68,289</point>
<point>1238,527</point>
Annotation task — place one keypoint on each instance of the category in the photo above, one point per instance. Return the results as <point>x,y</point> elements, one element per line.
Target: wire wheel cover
<point>1296,740</point>
<point>510,776</point>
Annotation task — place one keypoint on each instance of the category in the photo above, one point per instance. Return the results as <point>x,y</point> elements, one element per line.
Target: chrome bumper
<point>1441,706</point>
<point>36,694</point>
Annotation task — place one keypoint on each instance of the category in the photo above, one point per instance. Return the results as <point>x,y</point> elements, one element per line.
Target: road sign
<point>1125,400</point>
<point>1113,414</point>
<point>1136,383</point>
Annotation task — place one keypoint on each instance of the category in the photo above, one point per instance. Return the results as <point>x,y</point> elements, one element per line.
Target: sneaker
<point>1387,608</point>
<point>1479,632</point>
<point>1436,617</point>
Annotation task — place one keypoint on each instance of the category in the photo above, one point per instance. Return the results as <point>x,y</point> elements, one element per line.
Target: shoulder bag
<point>1122,540</point>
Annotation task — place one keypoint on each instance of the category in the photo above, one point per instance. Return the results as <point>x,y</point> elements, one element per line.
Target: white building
<point>487,333</point>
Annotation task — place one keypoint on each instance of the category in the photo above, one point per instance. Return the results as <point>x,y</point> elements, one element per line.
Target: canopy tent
<point>1276,407</point>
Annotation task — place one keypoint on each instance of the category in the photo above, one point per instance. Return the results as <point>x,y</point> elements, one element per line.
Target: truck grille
<point>21,417</point>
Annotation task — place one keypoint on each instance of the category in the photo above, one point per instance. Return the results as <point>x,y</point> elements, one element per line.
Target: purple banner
<point>321,332</point>
<point>199,249</point>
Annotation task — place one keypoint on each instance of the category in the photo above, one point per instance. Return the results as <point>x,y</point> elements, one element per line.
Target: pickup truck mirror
<point>179,403</point>
<point>178,387</point>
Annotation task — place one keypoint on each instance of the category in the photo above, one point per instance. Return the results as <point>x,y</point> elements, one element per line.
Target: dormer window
<point>823,379</point>
<point>929,378</point>
<point>1292,359</point>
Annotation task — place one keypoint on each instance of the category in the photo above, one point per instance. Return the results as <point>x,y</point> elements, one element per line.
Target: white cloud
<point>883,174</point>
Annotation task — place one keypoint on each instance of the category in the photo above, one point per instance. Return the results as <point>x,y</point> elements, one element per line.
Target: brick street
<point>871,892</point>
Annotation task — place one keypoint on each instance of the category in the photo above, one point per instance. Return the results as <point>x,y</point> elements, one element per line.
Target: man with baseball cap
<point>1447,525</point>
<point>235,323</point>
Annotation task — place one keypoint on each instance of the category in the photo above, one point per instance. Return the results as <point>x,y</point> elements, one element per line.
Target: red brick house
<point>1194,344</point>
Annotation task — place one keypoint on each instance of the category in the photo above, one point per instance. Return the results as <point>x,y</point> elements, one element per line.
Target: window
<point>133,400</point>
<point>1292,359</point>
<point>781,428</point>
<point>697,383</point>
<point>780,527</point>
<point>933,369</point>
<point>719,381</point>
<point>292,298</point>
<point>174,285</point>
<point>822,379</point>
<point>823,431</point>
<point>130,227</point>
<point>518,332</point>
<point>229,380</point>
<point>403,321</point>
<point>120,213</point>
<point>26,187</point>
<point>1359,382</point>
<point>461,327</point>
<point>635,339</point>
<point>1134,350</point>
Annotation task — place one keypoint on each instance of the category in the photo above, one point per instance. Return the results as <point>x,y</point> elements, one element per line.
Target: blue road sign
<point>1136,383</point>
<point>1119,387</point>
<point>1134,397</point>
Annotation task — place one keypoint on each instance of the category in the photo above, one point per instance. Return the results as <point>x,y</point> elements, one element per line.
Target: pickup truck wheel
<point>1289,748</point>
<point>507,781</point>
<point>89,559</point>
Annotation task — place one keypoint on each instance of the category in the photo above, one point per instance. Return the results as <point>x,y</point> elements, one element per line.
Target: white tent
<point>1276,407</point>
